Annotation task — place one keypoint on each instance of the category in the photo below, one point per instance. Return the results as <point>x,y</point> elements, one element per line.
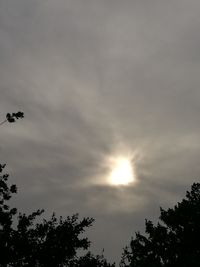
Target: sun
<point>122,172</point>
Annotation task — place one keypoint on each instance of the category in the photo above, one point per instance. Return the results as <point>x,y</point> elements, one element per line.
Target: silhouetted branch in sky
<point>13,117</point>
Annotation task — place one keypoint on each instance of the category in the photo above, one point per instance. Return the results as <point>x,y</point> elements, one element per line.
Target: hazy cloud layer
<point>98,79</point>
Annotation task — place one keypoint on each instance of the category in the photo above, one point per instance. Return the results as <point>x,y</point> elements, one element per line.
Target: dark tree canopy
<point>174,241</point>
<point>24,242</point>
<point>90,260</point>
<point>50,243</point>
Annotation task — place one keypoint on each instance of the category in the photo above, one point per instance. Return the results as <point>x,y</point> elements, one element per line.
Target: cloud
<point>97,79</point>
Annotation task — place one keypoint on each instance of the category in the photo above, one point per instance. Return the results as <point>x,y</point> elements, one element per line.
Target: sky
<point>98,80</point>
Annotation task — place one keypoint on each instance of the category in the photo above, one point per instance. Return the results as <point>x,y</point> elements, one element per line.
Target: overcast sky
<point>98,79</point>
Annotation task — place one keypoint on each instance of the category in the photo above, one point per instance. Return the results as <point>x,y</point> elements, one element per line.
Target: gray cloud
<point>97,79</point>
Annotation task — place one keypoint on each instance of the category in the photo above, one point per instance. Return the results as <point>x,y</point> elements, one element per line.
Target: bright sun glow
<point>122,172</point>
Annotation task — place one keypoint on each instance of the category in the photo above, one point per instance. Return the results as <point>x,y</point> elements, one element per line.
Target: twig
<point>3,122</point>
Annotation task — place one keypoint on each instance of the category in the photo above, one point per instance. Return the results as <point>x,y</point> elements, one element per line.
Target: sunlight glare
<point>122,172</point>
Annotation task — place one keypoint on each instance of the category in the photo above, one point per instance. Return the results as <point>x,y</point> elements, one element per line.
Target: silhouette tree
<point>90,260</point>
<point>173,242</point>
<point>50,243</point>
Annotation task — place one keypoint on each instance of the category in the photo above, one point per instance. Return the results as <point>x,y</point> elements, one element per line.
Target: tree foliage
<point>54,242</point>
<point>12,117</point>
<point>174,241</point>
